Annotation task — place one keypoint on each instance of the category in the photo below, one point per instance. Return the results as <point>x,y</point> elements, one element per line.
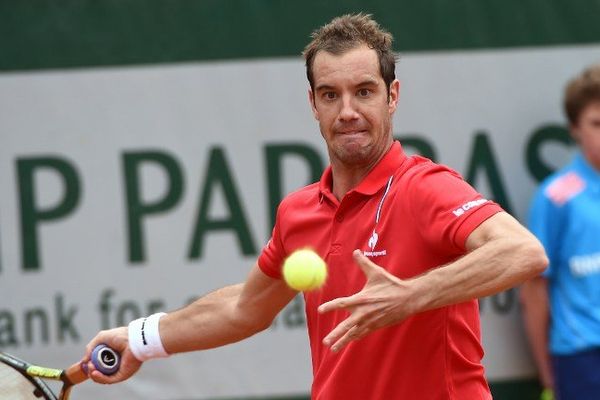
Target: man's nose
<point>348,109</point>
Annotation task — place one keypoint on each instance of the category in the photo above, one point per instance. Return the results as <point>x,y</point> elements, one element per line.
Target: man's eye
<point>364,92</point>
<point>329,95</point>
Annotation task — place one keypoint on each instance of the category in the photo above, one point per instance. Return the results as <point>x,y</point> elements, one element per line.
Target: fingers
<point>353,328</point>
<point>117,339</point>
<point>111,338</point>
<point>369,268</point>
<point>336,304</point>
<point>340,330</point>
<point>375,306</point>
<point>354,333</point>
<point>346,330</point>
<point>366,265</point>
<point>129,366</point>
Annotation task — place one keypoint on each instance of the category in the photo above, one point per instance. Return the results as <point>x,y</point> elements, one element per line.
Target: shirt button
<point>339,217</point>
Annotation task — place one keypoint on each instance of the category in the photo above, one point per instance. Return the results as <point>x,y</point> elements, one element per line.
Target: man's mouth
<point>352,132</point>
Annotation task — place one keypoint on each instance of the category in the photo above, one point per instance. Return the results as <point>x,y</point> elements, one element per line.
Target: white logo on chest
<point>374,236</point>
<point>372,243</point>
<point>373,240</point>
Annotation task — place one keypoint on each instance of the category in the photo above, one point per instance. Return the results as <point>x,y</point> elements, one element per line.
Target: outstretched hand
<point>118,340</point>
<point>383,301</point>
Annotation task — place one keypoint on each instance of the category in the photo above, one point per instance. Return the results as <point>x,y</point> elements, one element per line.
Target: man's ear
<point>311,100</point>
<point>394,96</point>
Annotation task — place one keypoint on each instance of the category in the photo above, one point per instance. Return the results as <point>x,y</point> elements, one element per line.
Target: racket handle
<point>105,359</point>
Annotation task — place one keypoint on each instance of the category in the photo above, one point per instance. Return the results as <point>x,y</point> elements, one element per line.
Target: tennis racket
<point>20,380</point>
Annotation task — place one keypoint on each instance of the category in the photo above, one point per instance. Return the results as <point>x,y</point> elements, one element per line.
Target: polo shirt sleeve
<point>544,222</point>
<point>446,208</point>
<point>273,253</point>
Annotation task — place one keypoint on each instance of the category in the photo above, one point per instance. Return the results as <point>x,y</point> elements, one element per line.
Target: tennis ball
<point>304,270</point>
<point>547,394</point>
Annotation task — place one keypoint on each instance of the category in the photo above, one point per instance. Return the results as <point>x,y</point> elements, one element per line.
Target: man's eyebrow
<point>323,86</point>
<point>364,82</point>
<point>368,82</point>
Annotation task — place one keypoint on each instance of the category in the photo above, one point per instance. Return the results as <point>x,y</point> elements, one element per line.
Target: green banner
<point>49,34</point>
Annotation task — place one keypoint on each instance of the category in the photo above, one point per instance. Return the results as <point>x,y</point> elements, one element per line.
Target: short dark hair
<point>581,91</point>
<point>346,33</point>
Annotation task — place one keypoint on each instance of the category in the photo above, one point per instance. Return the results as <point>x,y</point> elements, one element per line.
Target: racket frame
<point>35,374</point>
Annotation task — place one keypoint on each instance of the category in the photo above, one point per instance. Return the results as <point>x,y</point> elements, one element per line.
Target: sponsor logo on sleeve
<point>468,206</point>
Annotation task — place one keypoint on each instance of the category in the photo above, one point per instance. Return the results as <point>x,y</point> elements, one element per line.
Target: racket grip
<point>105,359</point>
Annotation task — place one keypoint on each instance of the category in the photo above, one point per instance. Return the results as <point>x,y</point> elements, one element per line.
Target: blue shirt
<point>565,216</point>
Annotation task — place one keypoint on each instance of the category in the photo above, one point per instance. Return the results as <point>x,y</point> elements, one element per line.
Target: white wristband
<point>144,338</point>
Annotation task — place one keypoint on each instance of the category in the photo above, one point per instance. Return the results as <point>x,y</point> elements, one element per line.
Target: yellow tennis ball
<point>547,394</point>
<point>304,270</point>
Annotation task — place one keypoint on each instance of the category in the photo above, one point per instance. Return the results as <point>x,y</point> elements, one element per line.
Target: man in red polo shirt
<point>408,243</point>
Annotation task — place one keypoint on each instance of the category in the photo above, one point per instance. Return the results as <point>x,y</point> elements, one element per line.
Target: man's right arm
<point>227,315</point>
<point>224,316</point>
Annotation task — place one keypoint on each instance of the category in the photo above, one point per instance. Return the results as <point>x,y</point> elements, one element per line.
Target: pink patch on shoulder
<point>564,188</point>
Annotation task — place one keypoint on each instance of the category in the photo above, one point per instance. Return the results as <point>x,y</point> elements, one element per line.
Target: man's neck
<point>347,177</point>
<point>344,180</point>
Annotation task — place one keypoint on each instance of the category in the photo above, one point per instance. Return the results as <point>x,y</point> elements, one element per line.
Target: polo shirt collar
<point>375,179</point>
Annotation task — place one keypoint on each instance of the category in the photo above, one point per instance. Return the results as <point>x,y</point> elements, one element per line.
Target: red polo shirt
<point>408,215</point>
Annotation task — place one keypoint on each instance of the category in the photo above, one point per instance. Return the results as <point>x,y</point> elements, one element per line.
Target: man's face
<point>587,133</point>
<point>351,103</point>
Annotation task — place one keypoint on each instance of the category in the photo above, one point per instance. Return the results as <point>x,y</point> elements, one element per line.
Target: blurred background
<point>144,146</point>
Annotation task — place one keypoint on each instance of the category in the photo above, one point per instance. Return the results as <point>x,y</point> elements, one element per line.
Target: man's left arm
<point>501,254</point>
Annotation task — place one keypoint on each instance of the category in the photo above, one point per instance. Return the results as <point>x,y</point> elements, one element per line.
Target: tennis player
<point>409,244</point>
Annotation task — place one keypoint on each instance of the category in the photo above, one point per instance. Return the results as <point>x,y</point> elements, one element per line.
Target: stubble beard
<point>357,154</point>
<point>352,154</point>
